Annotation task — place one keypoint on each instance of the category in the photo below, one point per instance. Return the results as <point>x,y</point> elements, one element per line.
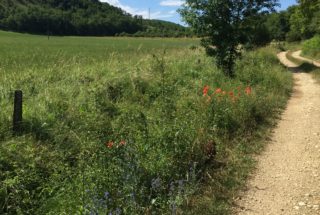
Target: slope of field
<point>130,126</point>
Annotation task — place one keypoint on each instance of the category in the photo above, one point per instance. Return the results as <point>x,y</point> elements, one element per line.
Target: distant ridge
<point>80,17</point>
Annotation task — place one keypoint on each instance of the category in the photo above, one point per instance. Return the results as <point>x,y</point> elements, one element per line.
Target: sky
<point>164,9</point>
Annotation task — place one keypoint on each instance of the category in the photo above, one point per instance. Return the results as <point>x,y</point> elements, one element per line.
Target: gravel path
<point>287,178</point>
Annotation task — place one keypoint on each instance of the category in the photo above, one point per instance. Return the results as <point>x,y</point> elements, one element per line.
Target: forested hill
<point>79,17</point>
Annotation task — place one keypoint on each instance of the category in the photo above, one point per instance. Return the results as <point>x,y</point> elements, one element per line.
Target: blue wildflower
<point>156,183</point>
<point>106,195</point>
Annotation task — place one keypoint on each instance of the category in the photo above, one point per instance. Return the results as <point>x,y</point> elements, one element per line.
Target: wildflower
<point>156,183</point>
<point>132,195</point>
<point>181,185</point>
<point>118,211</point>
<point>106,195</point>
<point>248,90</point>
<point>218,91</point>
<point>205,90</point>
<point>224,92</point>
<point>109,144</point>
<point>231,94</point>
<point>123,143</point>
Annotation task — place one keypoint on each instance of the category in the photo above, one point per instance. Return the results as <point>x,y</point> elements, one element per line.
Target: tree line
<point>80,17</point>
<point>299,22</point>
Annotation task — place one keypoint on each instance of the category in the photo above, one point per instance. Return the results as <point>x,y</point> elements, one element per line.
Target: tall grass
<point>110,127</point>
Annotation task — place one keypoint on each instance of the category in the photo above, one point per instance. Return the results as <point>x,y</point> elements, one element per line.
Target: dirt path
<point>287,178</point>
<point>282,56</point>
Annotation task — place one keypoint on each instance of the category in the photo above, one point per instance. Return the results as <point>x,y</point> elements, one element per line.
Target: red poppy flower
<point>123,143</point>
<point>205,90</point>
<point>248,90</point>
<point>231,94</point>
<point>109,144</point>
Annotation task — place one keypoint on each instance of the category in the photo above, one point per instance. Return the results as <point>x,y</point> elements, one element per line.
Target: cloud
<point>126,8</point>
<point>142,12</point>
<point>172,3</point>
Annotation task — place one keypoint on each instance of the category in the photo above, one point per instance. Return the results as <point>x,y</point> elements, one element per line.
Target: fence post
<point>17,111</point>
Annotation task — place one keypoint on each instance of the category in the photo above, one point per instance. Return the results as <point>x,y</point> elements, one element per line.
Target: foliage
<point>312,47</point>
<point>298,22</point>
<point>109,127</point>
<point>278,25</point>
<point>304,20</point>
<point>225,25</point>
<point>309,7</point>
<point>80,17</point>
<point>311,10</point>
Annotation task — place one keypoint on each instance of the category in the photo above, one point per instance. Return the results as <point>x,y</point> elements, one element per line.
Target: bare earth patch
<point>287,178</point>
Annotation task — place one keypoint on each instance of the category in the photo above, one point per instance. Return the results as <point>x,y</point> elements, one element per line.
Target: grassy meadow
<point>129,125</point>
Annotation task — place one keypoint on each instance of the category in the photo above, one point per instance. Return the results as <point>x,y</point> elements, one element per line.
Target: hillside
<point>79,17</point>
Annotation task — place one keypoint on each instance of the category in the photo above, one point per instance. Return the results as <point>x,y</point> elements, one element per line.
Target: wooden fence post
<point>17,112</point>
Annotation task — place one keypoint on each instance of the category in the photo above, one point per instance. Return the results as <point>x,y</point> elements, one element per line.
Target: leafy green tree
<point>299,25</point>
<point>304,20</point>
<point>278,25</point>
<point>311,11</point>
<point>309,7</point>
<point>225,25</point>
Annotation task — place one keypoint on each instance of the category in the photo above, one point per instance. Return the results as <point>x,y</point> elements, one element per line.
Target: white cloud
<point>142,12</point>
<point>172,3</point>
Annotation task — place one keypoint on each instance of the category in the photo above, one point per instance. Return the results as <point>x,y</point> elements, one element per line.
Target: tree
<point>309,7</point>
<point>225,25</point>
<point>278,25</point>
<point>311,11</point>
<point>77,17</point>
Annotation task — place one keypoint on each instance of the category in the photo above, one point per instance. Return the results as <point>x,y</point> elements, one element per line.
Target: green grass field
<point>130,126</point>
